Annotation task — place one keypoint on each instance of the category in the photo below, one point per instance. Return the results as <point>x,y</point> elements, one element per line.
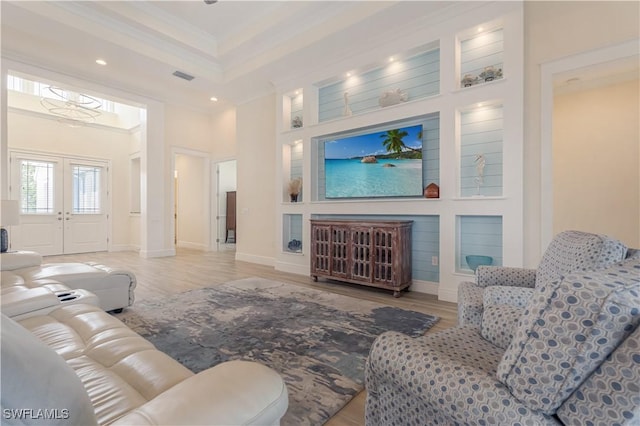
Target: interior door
<point>63,204</point>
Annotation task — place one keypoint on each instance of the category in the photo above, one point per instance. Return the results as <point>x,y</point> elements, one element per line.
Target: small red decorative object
<point>432,191</point>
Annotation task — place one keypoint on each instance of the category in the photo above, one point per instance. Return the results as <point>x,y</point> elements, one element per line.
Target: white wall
<point>554,30</point>
<point>596,151</point>
<point>256,146</point>
<point>223,133</point>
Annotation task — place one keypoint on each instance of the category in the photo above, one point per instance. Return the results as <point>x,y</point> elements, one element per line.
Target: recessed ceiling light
<point>480,29</point>
<point>391,59</point>
<point>348,74</point>
<point>101,62</point>
<point>213,99</point>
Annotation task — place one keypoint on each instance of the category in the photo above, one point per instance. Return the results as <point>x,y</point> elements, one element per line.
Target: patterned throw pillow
<point>611,395</point>
<point>568,329</point>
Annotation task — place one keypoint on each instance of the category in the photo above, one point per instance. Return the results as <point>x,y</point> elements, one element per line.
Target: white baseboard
<point>448,294</point>
<point>190,245</point>
<point>157,253</point>
<point>293,268</point>
<point>428,287</point>
<point>261,260</point>
<point>123,247</point>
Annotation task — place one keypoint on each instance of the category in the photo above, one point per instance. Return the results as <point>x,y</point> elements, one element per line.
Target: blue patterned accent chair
<point>574,360</point>
<point>506,290</point>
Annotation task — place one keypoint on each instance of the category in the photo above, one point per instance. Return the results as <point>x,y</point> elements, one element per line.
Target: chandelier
<point>73,109</point>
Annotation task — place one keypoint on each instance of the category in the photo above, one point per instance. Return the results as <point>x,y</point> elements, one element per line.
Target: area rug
<point>318,341</point>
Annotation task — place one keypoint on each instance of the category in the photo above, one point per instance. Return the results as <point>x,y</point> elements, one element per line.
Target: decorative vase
<point>475,260</point>
<point>432,191</point>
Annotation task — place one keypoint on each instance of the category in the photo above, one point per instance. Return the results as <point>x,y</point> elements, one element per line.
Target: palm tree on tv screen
<point>393,140</point>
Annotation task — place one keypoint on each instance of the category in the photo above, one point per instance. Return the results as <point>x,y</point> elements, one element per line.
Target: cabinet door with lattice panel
<point>321,249</point>
<point>361,265</point>
<point>340,251</point>
<point>385,242</point>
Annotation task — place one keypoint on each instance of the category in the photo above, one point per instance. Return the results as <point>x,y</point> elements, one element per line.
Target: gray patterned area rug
<point>318,341</point>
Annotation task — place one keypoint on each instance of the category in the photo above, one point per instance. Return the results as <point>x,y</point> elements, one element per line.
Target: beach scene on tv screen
<point>380,164</point>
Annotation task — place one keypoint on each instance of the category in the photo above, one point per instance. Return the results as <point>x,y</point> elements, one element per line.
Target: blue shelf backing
<point>292,232</point>
<point>481,143</point>
<point>418,76</point>
<point>296,164</point>
<point>480,235</point>
<point>296,108</point>
<point>481,51</point>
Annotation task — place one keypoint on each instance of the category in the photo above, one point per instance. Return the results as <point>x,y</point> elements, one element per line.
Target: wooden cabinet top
<point>355,222</point>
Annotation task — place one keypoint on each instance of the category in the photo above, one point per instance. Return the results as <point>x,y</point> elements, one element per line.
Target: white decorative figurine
<point>347,110</point>
<point>480,163</point>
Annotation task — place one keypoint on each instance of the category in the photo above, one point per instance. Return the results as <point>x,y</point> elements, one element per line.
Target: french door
<point>63,204</point>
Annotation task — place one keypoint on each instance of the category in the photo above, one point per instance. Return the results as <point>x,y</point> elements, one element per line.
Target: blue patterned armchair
<point>511,288</point>
<point>574,359</point>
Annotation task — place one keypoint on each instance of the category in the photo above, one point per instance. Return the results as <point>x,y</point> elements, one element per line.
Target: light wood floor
<point>192,269</point>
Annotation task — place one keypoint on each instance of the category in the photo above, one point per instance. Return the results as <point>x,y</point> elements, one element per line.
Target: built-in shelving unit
<point>471,143</point>
<point>292,237</point>
<point>478,235</point>
<point>481,150</point>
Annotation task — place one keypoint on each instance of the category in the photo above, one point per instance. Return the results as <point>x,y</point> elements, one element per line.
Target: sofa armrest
<point>517,297</point>
<point>231,393</point>
<point>470,304</point>
<point>451,373</point>
<point>18,303</point>
<point>505,276</point>
<point>12,260</point>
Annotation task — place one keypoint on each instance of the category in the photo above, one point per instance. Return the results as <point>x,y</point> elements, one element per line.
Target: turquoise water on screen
<point>350,178</point>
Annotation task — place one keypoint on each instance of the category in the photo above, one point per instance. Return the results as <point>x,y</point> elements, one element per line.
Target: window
<point>86,189</point>
<point>37,187</point>
<point>36,88</point>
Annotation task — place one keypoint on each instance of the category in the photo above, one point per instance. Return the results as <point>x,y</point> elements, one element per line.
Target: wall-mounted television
<point>382,163</point>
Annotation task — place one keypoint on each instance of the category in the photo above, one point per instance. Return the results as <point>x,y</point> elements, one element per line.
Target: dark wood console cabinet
<point>376,254</point>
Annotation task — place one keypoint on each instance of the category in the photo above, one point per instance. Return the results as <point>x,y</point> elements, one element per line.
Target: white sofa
<point>79,365</point>
<point>24,270</point>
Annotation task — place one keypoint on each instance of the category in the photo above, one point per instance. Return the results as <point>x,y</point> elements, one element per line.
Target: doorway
<point>591,144</point>
<point>191,199</point>
<point>63,203</point>
<point>226,205</point>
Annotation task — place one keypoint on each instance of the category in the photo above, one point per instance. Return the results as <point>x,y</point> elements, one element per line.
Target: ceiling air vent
<point>182,75</point>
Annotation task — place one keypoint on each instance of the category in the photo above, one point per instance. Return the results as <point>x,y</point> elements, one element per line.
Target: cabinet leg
<point>396,293</point>
<point>314,278</point>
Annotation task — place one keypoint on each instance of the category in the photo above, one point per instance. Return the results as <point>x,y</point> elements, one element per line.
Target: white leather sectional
<point>24,270</point>
<point>67,361</point>
<point>81,359</point>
